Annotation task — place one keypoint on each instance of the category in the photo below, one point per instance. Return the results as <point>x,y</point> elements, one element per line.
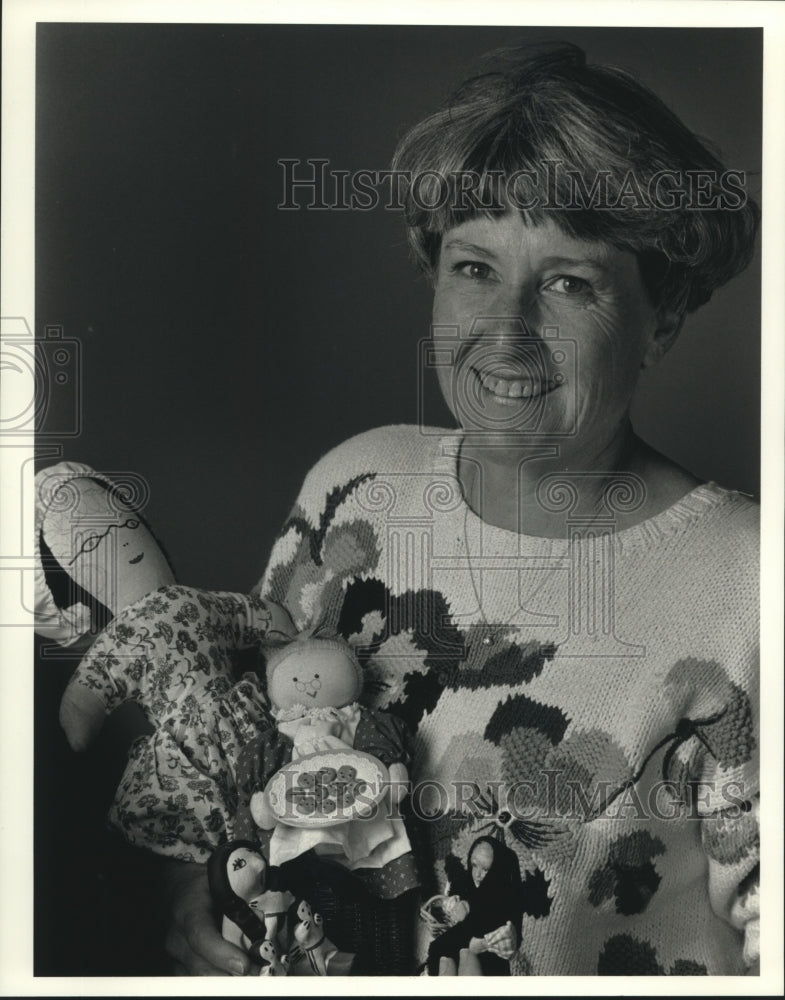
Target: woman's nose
<point>516,302</point>
<point>511,319</point>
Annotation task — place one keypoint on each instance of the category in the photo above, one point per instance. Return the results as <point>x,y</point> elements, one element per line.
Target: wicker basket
<point>435,925</point>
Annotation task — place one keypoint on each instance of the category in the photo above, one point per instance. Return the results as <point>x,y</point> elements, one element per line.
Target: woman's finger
<point>194,939</point>
<point>203,952</point>
<point>209,946</point>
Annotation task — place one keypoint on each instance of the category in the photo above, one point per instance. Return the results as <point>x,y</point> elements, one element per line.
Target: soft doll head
<point>96,553</point>
<point>317,671</point>
<point>237,873</point>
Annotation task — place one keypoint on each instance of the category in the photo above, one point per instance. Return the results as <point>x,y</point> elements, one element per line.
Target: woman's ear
<point>669,323</point>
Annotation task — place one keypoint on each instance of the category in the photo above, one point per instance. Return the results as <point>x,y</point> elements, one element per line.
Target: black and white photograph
<point>437,351</point>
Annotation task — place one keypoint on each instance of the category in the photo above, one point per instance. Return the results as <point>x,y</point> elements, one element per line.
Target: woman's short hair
<point>594,150</point>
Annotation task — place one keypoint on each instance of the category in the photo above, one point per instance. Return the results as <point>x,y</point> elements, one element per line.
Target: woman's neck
<point>507,487</point>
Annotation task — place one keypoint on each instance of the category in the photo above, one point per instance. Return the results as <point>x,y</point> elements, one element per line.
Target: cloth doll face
<point>480,862</point>
<point>246,870</point>
<point>103,544</point>
<point>315,674</point>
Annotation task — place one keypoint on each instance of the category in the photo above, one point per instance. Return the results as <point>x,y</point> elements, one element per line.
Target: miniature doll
<point>313,684</point>
<point>306,928</point>
<point>251,897</point>
<point>268,958</point>
<point>484,899</point>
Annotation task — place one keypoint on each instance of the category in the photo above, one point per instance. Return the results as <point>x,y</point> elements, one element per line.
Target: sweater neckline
<point>683,512</point>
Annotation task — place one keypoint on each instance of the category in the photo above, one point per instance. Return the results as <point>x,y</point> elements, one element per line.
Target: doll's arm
<point>399,783</point>
<point>261,810</point>
<point>175,644</point>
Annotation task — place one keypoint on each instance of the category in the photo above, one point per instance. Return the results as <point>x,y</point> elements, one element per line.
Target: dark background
<point>226,344</point>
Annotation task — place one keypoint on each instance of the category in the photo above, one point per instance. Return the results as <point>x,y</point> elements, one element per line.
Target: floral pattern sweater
<point>591,701</point>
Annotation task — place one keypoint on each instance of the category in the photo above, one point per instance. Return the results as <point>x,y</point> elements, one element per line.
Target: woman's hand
<point>192,939</point>
<point>503,941</point>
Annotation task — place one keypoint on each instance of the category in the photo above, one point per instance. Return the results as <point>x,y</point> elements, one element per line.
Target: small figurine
<point>307,930</point>
<point>483,913</point>
<point>253,903</point>
<point>336,798</point>
<point>266,955</point>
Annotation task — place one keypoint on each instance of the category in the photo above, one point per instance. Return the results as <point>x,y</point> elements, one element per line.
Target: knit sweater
<point>592,701</point>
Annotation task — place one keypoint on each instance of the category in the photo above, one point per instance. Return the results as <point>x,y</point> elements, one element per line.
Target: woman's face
<point>539,333</point>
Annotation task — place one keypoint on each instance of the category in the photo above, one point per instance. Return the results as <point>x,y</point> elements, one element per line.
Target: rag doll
<point>253,900</point>
<point>339,793</point>
<point>483,898</point>
<point>95,553</point>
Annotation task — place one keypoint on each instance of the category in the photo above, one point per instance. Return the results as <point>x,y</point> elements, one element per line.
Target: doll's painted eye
<point>294,679</point>
<point>238,863</point>
<point>316,675</point>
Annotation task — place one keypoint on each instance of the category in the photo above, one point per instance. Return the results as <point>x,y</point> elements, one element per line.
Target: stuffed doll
<point>346,776</point>
<point>253,900</point>
<point>485,897</point>
<point>94,553</point>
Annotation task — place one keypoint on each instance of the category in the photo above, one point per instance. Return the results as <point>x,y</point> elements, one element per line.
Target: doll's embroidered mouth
<point>136,559</point>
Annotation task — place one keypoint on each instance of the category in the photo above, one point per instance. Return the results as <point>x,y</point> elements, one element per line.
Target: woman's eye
<point>472,269</point>
<point>567,284</point>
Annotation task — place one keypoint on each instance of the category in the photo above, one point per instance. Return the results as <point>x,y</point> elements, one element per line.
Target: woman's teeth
<point>514,388</point>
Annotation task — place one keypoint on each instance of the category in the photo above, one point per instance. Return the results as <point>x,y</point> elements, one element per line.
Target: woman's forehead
<point>511,232</point>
